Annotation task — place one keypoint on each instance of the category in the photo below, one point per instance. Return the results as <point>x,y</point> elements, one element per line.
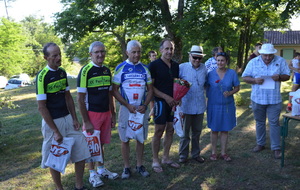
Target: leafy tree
<point>119,18</point>
<point>13,52</point>
<point>80,49</point>
<point>21,46</point>
<point>38,33</point>
<point>238,25</point>
<point>234,25</point>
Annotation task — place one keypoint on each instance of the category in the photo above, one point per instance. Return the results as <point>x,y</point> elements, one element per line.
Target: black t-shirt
<point>53,84</point>
<point>164,76</point>
<point>96,81</point>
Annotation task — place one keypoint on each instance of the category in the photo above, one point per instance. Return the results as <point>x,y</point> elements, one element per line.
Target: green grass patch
<point>21,140</point>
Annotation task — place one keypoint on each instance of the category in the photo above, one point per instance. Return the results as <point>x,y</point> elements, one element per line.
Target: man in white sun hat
<point>266,99</point>
<point>193,104</point>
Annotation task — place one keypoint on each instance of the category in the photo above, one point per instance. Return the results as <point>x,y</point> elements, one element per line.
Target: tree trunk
<point>121,38</point>
<point>248,39</point>
<point>178,50</point>
<point>240,50</point>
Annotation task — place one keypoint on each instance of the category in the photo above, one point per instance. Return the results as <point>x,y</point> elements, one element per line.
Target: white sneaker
<point>107,174</point>
<point>96,181</point>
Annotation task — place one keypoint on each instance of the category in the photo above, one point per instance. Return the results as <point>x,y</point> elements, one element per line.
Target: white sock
<point>92,173</point>
<point>100,169</point>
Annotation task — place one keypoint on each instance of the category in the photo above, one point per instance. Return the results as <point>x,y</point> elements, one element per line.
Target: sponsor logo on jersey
<point>131,85</point>
<point>133,75</point>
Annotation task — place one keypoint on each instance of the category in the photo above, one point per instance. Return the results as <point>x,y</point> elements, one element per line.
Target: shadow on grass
<point>20,158</point>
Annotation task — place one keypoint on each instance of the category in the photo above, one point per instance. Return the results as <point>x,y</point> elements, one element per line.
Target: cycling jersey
<point>51,86</point>
<point>95,81</point>
<point>132,79</point>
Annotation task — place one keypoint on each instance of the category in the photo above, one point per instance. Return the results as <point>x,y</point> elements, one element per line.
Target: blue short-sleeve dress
<point>220,109</point>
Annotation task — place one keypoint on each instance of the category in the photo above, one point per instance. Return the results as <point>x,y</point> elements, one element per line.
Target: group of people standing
<point>134,85</point>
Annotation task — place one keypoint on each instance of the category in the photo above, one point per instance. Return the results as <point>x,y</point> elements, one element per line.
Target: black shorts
<point>162,112</point>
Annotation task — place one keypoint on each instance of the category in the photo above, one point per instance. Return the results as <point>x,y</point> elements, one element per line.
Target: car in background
<point>3,81</point>
<point>16,83</point>
<point>23,77</point>
<point>71,76</point>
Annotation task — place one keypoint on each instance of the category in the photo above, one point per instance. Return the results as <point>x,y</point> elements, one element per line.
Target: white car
<point>15,83</point>
<point>23,77</point>
<point>71,76</point>
<point>3,81</point>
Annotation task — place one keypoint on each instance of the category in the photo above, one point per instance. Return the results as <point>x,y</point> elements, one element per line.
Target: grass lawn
<point>21,139</point>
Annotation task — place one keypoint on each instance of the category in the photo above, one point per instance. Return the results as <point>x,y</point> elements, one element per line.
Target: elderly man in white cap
<point>266,99</point>
<point>193,104</point>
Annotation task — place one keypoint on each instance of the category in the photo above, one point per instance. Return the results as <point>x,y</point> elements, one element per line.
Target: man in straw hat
<point>266,99</point>
<point>193,104</point>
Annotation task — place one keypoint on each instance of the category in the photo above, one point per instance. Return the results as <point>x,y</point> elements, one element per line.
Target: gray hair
<point>95,44</point>
<point>133,43</point>
<point>45,48</point>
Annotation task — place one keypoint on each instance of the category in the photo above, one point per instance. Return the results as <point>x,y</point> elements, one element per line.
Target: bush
<point>239,100</point>
<point>5,102</point>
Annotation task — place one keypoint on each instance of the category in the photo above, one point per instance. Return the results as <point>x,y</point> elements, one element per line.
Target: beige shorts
<point>80,150</point>
<point>123,123</point>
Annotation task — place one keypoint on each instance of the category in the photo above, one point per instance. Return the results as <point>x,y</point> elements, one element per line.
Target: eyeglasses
<point>199,58</point>
<point>101,51</point>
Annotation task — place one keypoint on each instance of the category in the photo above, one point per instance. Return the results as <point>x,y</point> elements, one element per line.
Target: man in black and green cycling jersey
<point>57,108</point>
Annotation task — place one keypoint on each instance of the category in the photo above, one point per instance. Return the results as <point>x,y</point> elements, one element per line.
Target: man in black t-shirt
<point>57,108</point>
<point>163,71</point>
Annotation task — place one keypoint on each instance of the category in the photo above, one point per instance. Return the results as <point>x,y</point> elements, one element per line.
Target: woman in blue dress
<point>222,83</point>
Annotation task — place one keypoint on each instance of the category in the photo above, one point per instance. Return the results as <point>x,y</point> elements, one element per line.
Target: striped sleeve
<point>40,84</point>
<point>117,79</point>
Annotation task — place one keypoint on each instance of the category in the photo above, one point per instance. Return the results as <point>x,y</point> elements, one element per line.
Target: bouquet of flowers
<point>180,88</point>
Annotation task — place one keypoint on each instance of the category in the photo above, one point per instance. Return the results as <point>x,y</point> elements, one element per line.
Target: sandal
<point>213,157</point>
<point>157,168</point>
<point>172,164</point>
<point>225,157</point>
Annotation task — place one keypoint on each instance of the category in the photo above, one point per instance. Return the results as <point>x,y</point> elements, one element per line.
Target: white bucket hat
<point>267,49</point>
<point>197,50</point>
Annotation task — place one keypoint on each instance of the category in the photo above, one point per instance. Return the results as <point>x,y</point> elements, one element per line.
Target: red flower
<point>217,81</point>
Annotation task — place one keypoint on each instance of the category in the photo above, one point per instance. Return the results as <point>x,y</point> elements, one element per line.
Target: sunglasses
<point>199,58</point>
<point>222,54</point>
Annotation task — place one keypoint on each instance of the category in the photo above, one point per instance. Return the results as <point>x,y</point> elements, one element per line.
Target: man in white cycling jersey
<point>131,78</point>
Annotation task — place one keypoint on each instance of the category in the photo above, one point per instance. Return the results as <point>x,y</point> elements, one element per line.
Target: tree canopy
<point>12,48</point>
<point>21,45</point>
<point>233,25</point>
